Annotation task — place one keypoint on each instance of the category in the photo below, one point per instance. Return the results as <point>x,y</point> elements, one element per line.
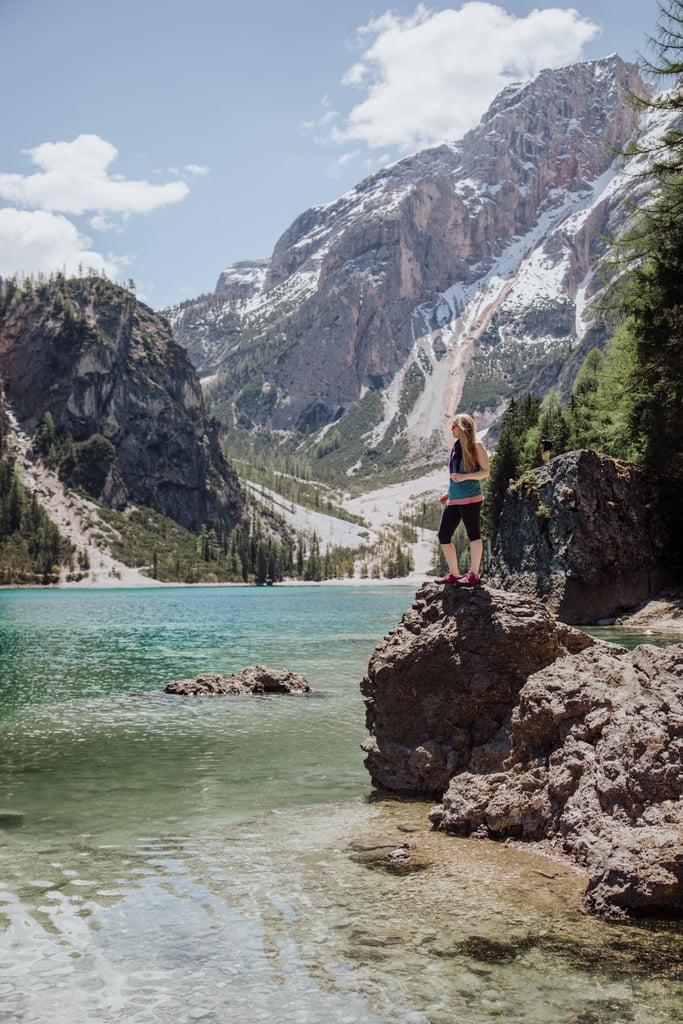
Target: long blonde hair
<point>468,442</point>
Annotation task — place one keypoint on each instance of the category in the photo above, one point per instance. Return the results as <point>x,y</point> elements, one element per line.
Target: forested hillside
<point>32,550</point>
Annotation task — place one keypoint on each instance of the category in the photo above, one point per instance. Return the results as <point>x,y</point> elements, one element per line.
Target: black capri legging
<point>451,516</point>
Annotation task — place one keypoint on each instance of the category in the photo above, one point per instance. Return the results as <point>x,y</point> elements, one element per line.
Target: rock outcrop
<point>441,687</point>
<point>528,729</point>
<point>108,371</point>
<point>583,534</point>
<point>255,679</point>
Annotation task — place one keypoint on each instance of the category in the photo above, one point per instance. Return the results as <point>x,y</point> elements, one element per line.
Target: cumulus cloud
<point>35,242</point>
<point>430,76</point>
<point>74,178</point>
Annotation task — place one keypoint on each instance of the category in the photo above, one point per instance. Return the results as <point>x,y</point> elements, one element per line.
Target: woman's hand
<point>443,499</point>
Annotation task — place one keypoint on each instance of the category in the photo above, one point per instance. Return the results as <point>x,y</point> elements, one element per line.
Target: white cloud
<point>74,178</point>
<point>430,76</point>
<point>34,242</point>
<point>183,172</point>
<point>100,222</point>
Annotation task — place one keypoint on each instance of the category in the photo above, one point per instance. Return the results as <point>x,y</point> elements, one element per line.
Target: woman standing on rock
<point>468,465</point>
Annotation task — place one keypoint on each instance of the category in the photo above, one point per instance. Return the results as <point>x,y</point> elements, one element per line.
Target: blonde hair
<point>468,442</point>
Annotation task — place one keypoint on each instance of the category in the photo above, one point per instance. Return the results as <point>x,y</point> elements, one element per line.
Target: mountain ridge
<point>463,273</point>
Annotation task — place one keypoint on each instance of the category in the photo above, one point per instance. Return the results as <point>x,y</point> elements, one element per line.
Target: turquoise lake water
<point>225,860</point>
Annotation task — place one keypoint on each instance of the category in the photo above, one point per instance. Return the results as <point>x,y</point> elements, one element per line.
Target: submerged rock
<point>532,730</point>
<point>255,679</point>
<point>11,819</point>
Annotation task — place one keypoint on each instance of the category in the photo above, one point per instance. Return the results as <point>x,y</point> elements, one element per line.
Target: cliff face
<point>102,363</point>
<point>449,269</point>
<point>583,534</point>
<point>528,729</point>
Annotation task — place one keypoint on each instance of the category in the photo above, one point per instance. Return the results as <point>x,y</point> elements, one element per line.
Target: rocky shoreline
<point>528,730</point>
<point>661,614</point>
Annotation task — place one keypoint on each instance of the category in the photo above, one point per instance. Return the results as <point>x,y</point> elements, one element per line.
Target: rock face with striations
<point>526,728</point>
<point>105,366</point>
<point>583,534</point>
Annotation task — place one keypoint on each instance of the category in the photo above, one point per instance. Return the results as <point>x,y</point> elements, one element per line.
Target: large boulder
<point>528,729</point>
<point>583,534</point>
<point>441,687</point>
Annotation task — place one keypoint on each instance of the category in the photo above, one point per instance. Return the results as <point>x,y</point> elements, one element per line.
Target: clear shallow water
<point>219,860</point>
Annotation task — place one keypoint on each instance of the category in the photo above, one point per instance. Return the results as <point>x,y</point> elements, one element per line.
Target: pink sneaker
<point>450,578</point>
<point>468,580</point>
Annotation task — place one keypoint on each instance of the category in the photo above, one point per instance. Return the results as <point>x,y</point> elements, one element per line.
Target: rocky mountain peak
<point>242,280</point>
<point>560,129</point>
<point>432,282</point>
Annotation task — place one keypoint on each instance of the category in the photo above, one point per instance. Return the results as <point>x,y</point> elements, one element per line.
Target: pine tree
<point>655,307</point>
<point>653,295</point>
<point>261,567</point>
<point>46,441</point>
<point>584,412</point>
<point>517,420</point>
<point>667,63</point>
<point>551,424</point>
<point>15,505</point>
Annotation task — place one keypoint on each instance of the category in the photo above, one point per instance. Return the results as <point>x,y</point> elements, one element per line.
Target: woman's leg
<point>476,552</point>
<point>450,517</point>
<point>471,517</point>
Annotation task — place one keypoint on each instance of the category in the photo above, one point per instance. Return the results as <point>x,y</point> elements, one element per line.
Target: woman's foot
<point>470,579</point>
<point>450,578</point>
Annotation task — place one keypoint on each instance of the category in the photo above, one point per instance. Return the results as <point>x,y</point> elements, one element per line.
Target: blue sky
<point>162,140</point>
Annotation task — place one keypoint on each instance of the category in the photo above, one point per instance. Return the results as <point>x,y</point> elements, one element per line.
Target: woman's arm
<point>483,460</point>
<point>480,474</point>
